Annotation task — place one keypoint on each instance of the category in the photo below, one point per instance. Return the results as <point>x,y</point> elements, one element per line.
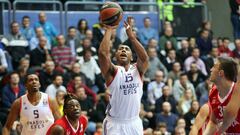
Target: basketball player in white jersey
<point>125,83</point>
<point>36,111</point>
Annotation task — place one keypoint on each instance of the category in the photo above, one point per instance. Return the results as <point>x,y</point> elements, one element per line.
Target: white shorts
<point>122,127</point>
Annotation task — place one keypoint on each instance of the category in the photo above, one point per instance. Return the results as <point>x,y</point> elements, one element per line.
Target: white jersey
<point>35,119</point>
<point>126,91</point>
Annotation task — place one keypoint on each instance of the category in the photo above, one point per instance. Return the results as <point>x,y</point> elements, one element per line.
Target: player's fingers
<point>125,24</point>
<point>115,26</point>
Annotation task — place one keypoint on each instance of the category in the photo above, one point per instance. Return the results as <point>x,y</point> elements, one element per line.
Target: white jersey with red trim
<point>126,91</point>
<point>35,119</point>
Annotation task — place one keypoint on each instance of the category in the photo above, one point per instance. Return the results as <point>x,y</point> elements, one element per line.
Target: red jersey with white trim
<point>69,130</point>
<point>218,105</point>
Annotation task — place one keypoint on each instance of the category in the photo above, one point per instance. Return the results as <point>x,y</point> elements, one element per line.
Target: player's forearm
<point>194,130</point>
<point>104,48</point>
<point>197,125</point>
<point>5,131</point>
<point>210,129</point>
<point>139,49</point>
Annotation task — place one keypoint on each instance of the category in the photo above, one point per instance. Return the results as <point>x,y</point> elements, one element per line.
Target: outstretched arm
<point>106,66</point>
<point>142,60</point>
<point>231,111</point>
<point>200,119</point>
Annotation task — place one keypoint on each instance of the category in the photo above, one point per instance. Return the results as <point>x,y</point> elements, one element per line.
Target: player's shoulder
<point>213,91</point>
<point>16,106</point>
<point>17,102</point>
<point>44,95</point>
<point>61,122</point>
<point>83,119</point>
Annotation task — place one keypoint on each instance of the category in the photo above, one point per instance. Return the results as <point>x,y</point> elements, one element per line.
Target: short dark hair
<point>68,97</point>
<point>145,18</point>
<point>25,17</point>
<point>195,48</point>
<point>183,74</point>
<point>55,76</point>
<point>229,66</point>
<point>12,73</point>
<point>13,22</point>
<point>171,50</point>
<point>86,50</point>
<point>76,75</point>
<point>71,27</point>
<point>203,30</point>
<point>28,74</point>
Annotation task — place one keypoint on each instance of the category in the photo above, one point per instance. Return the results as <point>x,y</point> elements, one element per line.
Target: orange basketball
<point>111,13</point>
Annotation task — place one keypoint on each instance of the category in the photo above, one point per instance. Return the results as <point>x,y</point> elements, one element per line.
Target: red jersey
<point>218,105</point>
<point>69,130</point>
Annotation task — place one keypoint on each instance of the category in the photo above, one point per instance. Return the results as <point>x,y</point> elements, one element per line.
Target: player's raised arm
<point>142,57</point>
<point>200,119</point>
<point>106,66</point>
<point>54,106</point>
<point>231,111</point>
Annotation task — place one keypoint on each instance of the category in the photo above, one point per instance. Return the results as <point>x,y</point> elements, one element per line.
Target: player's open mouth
<point>123,55</point>
<point>77,112</point>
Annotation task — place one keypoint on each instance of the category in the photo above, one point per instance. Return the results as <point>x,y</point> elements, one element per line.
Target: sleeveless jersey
<point>218,105</point>
<point>69,130</point>
<point>35,119</point>
<point>126,90</point>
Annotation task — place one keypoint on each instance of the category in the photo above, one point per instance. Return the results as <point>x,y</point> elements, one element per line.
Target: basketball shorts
<point>122,127</point>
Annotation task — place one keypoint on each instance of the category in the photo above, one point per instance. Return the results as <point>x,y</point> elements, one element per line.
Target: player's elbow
<point>145,61</point>
<point>103,53</point>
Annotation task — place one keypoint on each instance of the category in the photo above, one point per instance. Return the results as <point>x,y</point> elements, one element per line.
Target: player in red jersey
<point>72,123</point>
<point>223,98</point>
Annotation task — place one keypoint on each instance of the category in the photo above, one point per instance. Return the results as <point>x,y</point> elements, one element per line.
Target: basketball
<point>111,13</point>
